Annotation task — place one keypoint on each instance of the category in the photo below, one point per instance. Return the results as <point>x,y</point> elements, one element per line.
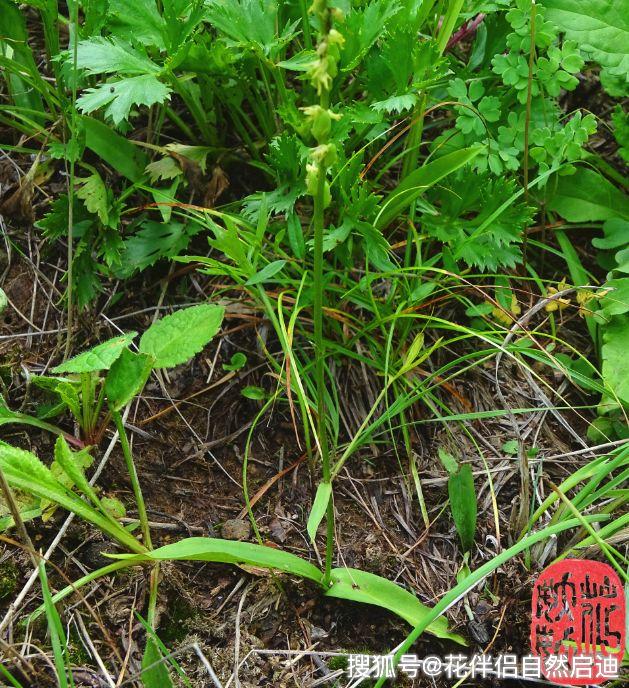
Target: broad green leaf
<point>600,27</point>
<point>463,504</point>
<point>176,338</point>
<point>7,522</point>
<point>266,273</point>
<point>4,301</point>
<point>100,357</point>
<point>615,234</point>
<point>118,152</point>
<point>126,378</point>
<point>70,397</point>
<point>418,181</point>
<point>300,62</point>
<point>230,552</point>
<point>28,506</point>
<point>319,506</point>
<point>163,169</point>
<point>156,676</point>
<point>113,506</point>
<point>362,27</point>
<point>413,352</point>
<point>511,447</point>
<point>295,235</point>
<point>362,586</point>
<point>397,104</point>
<point>615,368</point>
<point>616,299</point>
<point>586,196</point>
<point>93,193</point>
<point>152,241</point>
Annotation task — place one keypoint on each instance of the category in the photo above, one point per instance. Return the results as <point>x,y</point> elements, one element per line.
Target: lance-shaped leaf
<point>155,672</point>
<point>68,468</point>
<point>463,504</point>
<point>319,506</point>
<point>362,586</point>
<point>230,552</point>
<point>176,338</point>
<point>267,272</point>
<point>462,498</point>
<point>100,357</point>
<point>115,150</point>
<point>416,183</point>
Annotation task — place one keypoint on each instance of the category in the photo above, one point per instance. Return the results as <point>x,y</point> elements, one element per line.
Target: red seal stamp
<point>578,622</point>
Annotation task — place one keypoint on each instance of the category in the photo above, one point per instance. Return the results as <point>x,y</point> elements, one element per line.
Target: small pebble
<point>236,529</point>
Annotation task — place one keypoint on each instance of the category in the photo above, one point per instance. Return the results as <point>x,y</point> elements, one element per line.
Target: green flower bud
<point>320,122</point>
<point>312,178</point>
<point>319,75</point>
<point>324,155</point>
<point>337,15</point>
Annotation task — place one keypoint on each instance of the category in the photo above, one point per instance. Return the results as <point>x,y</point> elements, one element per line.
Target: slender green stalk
<point>414,137</point>
<point>87,391</point>
<point>14,509</point>
<point>322,77</point>
<point>73,127</point>
<point>153,588</point>
<point>411,154</point>
<point>174,117</point>
<point>193,106</point>
<point>319,345</point>
<point>133,476</point>
<point>99,406</point>
<point>7,675</point>
<point>55,630</point>
<point>305,24</point>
